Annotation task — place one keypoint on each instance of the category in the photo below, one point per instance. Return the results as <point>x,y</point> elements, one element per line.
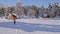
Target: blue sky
<point>29,2</point>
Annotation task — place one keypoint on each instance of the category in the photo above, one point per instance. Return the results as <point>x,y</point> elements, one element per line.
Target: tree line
<point>52,11</point>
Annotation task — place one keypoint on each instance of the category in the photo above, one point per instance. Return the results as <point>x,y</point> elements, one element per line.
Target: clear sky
<point>29,2</point>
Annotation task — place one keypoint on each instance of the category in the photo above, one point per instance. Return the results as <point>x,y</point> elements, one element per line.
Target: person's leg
<point>14,22</point>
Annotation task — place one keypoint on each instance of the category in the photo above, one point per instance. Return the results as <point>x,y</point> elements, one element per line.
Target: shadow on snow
<point>28,27</point>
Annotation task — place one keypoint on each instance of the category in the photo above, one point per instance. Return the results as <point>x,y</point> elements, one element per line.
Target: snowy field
<point>50,21</point>
<point>30,26</point>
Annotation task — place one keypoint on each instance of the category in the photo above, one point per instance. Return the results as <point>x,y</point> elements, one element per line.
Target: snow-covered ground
<point>52,21</point>
<point>19,31</point>
<point>30,26</point>
<point>38,21</point>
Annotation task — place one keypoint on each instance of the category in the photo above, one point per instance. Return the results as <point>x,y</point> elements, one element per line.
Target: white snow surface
<point>5,20</point>
<point>35,21</point>
<point>38,21</point>
<point>18,31</point>
<point>9,28</point>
